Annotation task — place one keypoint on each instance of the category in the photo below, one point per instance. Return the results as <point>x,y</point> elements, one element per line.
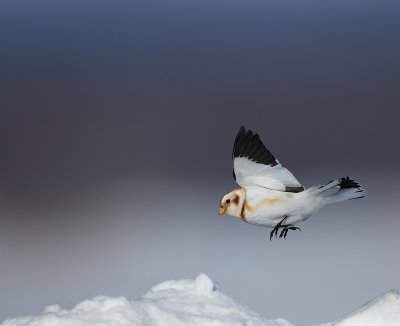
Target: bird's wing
<point>254,165</point>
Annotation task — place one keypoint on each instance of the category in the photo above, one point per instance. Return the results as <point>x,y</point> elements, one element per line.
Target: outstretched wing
<point>254,165</point>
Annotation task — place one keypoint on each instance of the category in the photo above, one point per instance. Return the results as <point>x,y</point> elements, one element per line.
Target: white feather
<point>249,173</point>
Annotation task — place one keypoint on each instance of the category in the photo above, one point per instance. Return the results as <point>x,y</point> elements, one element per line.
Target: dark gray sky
<point>96,94</point>
<point>93,91</point>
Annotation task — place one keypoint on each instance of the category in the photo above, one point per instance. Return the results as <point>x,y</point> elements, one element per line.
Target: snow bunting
<point>270,195</point>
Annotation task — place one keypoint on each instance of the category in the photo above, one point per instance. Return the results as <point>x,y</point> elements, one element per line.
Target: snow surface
<point>383,310</point>
<point>191,302</point>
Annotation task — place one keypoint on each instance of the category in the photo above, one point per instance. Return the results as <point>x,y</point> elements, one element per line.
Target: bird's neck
<point>240,207</point>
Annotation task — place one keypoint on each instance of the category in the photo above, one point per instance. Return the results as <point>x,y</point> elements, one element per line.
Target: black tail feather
<point>348,183</point>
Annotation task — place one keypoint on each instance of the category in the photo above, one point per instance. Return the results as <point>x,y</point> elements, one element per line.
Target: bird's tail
<point>338,190</point>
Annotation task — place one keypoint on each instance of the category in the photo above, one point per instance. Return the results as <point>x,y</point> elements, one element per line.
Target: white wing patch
<point>249,173</point>
<point>255,165</point>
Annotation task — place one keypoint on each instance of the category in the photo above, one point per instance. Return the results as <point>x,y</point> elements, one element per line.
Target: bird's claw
<point>285,230</point>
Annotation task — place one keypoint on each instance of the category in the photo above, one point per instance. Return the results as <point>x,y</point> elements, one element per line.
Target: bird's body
<point>270,195</point>
<point>267,207</point>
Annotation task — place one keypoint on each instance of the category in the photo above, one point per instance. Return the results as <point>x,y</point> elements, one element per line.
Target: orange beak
<point>221,210</point>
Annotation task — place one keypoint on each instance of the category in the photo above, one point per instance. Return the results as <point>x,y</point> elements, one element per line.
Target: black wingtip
<point>248,144</point>
<point>238,142</point>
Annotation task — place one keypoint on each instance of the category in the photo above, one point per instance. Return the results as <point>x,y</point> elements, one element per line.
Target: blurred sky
<point>116,130</point>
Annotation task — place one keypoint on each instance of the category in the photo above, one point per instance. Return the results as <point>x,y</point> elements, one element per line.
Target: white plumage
<point>270,195</point>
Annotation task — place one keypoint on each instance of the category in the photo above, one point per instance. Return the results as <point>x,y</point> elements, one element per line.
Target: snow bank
<point>184,302</point>
<point>191,303</point>
<point>382,311</point>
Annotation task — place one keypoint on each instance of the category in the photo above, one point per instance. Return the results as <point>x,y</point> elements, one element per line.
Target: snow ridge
<point>191,303</point>
<point>381,311</point>
<point>183,302</point>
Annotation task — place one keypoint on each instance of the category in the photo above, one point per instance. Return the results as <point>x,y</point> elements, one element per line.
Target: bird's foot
<point>285,229</point>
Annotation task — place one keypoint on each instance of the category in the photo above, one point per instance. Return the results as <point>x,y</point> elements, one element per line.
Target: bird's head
<point>232,203</point>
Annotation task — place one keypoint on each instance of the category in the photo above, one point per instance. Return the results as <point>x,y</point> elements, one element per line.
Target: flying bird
<point>270,195</point>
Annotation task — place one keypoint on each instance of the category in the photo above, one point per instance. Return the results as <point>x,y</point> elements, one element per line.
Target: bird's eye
<point>228,201</point>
